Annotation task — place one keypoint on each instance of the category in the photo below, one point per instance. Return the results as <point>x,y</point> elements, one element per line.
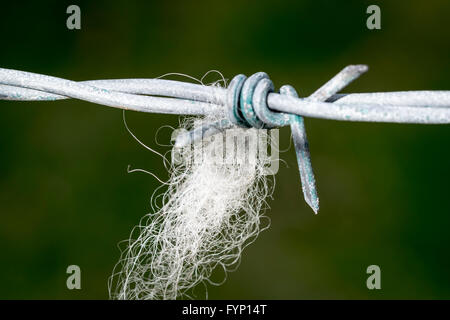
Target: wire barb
<point>247,107</point>
<point>250,102</point>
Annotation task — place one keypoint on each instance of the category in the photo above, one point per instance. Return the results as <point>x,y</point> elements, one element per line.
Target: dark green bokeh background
<point>65,196</point>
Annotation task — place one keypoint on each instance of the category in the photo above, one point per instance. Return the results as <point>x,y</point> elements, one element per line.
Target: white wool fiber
<point>211,211</point>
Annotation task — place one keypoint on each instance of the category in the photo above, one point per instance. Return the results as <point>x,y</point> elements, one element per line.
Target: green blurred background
<point>65,196</point>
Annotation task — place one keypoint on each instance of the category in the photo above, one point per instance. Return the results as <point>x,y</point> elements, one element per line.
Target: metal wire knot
<point>247,103</point>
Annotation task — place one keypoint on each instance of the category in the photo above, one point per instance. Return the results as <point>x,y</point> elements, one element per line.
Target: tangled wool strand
<point>210,212</point>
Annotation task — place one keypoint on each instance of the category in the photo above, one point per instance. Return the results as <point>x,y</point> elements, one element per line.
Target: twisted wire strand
<point>124,94</point>
<point>174,97</point>
<point>251,102</point>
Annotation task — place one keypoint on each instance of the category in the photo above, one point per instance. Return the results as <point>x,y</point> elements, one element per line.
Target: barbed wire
<point>250,102</point>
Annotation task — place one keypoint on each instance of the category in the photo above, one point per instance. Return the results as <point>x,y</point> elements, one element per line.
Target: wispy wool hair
<point>211,210</point>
